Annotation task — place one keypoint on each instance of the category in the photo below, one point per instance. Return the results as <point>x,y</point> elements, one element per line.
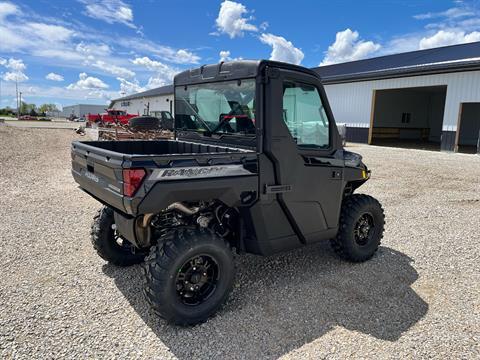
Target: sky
<point>91,51</point>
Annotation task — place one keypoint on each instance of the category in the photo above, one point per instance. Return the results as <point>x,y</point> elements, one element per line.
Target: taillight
<point>132,179</point>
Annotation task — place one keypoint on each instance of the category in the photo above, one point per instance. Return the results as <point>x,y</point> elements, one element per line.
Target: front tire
<point>109,245</point>
<point>361,228</point>
<point>188,275</point>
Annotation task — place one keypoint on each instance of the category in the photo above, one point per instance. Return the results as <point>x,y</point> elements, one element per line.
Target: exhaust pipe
<point>183,208</point>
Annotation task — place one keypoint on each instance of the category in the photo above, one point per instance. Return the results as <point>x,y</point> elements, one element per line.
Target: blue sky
<point>91,51</point>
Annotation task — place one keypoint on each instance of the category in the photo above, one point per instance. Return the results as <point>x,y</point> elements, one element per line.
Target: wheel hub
<point>364,229</point>
<point>197,279</point>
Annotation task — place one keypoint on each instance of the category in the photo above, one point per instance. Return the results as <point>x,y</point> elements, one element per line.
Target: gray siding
<point>80,110</point>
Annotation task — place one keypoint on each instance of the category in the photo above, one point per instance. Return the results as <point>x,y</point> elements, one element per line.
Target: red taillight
<point>132,179</point>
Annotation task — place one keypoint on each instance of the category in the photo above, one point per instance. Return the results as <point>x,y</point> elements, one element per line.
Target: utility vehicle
<point>111,116</point>
<point>256,166</point>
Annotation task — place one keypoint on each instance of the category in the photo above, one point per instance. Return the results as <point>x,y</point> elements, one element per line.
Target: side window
<point>305,116</point>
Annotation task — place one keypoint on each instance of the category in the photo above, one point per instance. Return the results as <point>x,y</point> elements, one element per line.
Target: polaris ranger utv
<point>257,165</point>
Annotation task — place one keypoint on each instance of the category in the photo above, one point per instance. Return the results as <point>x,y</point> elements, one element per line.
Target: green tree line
<point>30,109</point>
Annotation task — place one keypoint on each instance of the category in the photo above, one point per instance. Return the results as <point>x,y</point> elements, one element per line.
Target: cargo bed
<point>97,166</point>
<point>159,147</point>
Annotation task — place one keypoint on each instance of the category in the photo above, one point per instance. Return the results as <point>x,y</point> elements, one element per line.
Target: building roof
<point>164,90</point>
<point>437,60</point>
<point>84,105</point>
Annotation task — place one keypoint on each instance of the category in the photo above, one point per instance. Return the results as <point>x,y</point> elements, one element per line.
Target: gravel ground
<point>418,297</point>
<point>54,124</point>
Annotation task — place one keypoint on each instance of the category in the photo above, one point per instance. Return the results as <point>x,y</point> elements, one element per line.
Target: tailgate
<point>99,172</point>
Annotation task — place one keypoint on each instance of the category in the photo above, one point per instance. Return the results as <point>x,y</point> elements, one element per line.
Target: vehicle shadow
<point>283,302</point>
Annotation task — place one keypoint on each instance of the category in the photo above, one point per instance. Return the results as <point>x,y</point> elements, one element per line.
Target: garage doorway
<point>409,117</point>
<point>468,136</point>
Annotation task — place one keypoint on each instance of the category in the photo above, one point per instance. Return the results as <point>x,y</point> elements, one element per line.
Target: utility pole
<point>16,97</point>
<point>20,100</point>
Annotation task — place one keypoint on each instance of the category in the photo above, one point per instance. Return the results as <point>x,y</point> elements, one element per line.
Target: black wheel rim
<point>364,229</point>
<point>197,280</point>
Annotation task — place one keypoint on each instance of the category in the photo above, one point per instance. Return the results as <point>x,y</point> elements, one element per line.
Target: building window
<point>125,103</point>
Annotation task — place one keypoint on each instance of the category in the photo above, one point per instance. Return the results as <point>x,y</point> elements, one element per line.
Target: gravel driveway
<point>418,297</point>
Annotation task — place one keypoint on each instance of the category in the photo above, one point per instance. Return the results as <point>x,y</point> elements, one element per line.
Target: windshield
<point>216,108</point>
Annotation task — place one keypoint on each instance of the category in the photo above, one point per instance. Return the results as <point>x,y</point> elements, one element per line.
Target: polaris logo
<point>191,172</point>
<point>199,172</point>
<point>91,176</point>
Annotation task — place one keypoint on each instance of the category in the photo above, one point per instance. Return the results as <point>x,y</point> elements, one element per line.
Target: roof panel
<point>164,90</point>
<point>420,60</point>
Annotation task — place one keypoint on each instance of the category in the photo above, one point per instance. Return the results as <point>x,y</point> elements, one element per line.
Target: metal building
<point>81,110</point>
<point>154,101</point>
<point>422,99</point>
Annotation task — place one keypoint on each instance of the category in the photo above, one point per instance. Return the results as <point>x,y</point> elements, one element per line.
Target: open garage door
<point>410,117</point>
<point>468,137</point>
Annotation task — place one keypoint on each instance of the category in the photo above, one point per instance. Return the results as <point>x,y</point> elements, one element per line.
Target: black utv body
<point>257,164</point>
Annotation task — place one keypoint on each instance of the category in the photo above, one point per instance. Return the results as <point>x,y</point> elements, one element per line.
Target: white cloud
<point>231,20</point>
<point>163,74</point>
<point>15,76</point>
<point>224,55</point>
<point>14,64</point>
<point>18,34</point>
<point>264,25</point>
<point>186,57</point>
<point>158,80</point>
<point>86,82</point>
<point>153,64</point>
<point>451,13</point>
<point>163,52</point>
<point>92,50</point>
<point>446,37</point>
<point>110,11</point>
<point>282,50</point>
<point>67,55</point>
<point>6,9</point>
<point>50,33</point>
<point>113,69</point>
<point>349,47</point>
<point>129,87</point>
<point>17,68</point>
<point>54,77</point>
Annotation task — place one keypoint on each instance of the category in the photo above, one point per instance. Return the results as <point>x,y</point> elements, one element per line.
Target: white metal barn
<point>154,101</point>
<point>425,99</point>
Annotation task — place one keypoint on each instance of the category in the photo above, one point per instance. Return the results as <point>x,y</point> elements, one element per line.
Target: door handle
<point>277,189</point>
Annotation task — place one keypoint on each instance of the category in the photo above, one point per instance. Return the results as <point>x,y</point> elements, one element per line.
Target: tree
<point>27,108</point>
<point>44,108</point>
<point>6,111</point>
<point>23,107</point>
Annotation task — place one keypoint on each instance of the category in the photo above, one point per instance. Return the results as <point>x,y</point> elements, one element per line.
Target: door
<point>301,141</point>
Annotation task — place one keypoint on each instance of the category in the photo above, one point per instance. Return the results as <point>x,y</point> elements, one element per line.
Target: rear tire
<point>109,245</point>
<point>361,228</point>
<point>188,275</point>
